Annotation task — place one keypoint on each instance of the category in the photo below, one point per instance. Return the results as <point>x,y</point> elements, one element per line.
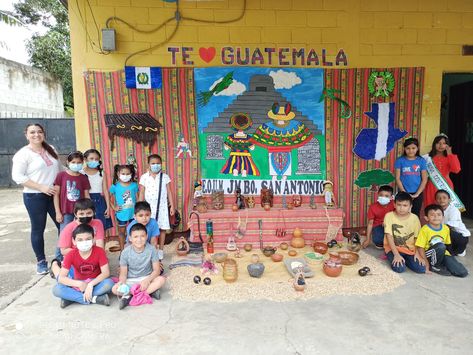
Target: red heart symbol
<point>207,54</point>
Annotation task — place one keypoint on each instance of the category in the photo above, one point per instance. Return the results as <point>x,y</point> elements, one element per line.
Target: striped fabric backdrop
<point>172,106</point>
<point>343,166</point>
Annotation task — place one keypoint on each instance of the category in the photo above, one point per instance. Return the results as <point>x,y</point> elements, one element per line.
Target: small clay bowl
<point>320,247</point>
<point>348,257</point>
<point>284,246</point>
<point>220,257</point>
<point>247,247</point>
<point>277,257</point>
<point>268,251</point>
<point>292,252</point>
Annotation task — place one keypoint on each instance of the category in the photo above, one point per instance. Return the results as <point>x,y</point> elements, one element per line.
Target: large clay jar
<point>230,270</point>
<point>333,265</point>
<point>297,240</point>
<point>182,247</point>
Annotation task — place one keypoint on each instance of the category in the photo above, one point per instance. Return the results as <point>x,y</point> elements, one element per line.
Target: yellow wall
<point>373,33</point>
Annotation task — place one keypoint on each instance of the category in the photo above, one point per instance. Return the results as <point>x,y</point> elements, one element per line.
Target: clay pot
<point>277,257</point>
<point>297,240</point>
<point>333,265</point>
<point>268,251</point>
<point>255,270</point>
<point>298,288</point>
<point>234,208</point>
<point>267,206</point>
<point>292,252</point>
<point>348,257</point>
<point>182,247</point>
<point>320,247</point>
<point>255,258</point>
<point>247,247</point>
<point>230,270</point>
<point>284,246</point>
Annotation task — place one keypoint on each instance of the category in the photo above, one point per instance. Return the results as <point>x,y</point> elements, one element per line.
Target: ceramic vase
<point>333,265</point>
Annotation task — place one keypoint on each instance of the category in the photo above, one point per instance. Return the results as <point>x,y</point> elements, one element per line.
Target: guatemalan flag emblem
<point>143,77</point>
<point>376,143</point>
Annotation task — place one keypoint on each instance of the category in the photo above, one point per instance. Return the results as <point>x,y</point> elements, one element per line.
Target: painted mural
<point>261,127</point>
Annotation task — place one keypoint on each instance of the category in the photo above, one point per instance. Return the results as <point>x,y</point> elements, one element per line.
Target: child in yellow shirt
<point>432,244</point>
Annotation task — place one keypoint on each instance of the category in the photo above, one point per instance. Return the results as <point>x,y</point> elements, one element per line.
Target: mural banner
<point>262,126</point>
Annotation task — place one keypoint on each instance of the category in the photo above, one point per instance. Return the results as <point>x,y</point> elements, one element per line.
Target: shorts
<point>123,223</point>
<point>135,280</point>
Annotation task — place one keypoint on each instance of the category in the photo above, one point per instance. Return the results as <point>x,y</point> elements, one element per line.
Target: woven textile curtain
<point>343,166</point>
<point>172,106</point>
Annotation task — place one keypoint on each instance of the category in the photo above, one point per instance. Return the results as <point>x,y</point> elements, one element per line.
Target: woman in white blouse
<point>35,166</point>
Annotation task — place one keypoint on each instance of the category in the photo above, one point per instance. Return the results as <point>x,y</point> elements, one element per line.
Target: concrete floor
<point>428,315</point>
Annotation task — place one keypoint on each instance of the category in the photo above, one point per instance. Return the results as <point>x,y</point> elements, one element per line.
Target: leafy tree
<point>51,51</point>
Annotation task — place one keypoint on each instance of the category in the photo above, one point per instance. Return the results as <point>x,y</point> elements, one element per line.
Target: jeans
<point>377,234</point>
<point>71,294</point>
<point>39,205</point>
<point>412,264</point>
<point>459,242</point>
<point>436,256</point>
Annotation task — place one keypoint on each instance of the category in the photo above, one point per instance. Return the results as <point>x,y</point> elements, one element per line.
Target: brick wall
<point>373,33</point>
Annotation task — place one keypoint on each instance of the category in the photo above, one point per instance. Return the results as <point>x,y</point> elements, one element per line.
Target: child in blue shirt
<point>143,216</point>
<point>123,195</point>
<point>411,173</point>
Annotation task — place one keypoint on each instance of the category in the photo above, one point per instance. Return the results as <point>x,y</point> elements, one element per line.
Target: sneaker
<point>124,302</point>
<point>103,300</point>
<point>65,303</point>
<point>440,270</point>
<point>462,254</point>
<point>42,267</point>
<point>160,254</point>
<point>380,247</point>
<point>51,273</point>
<point>156,294</point>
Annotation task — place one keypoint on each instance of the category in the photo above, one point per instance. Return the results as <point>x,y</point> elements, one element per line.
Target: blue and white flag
<point>143,77</point>
<point>376,143</point>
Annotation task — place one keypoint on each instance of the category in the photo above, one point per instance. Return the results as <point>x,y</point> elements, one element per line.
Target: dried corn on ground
<point>276,283</point>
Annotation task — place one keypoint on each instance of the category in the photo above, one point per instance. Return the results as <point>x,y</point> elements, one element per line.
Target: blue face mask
<point>155,168</point>
<point>75,167</point>
<point>93,164</point>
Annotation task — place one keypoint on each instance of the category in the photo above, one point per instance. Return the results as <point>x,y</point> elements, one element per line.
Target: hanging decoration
<point>376,143</point>
<point>140,127</point>
<point>374,178</point>
<point>345,109</point>
<point>381,84</point>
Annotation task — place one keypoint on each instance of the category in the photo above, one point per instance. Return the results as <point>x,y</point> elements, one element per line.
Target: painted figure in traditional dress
<point>280,137</point>
<point>239,144</point>
<point>183,147</point>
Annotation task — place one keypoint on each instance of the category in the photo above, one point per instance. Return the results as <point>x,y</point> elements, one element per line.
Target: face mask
<point>93,164</point>
<point>75,167</point>
<point>85,245</point>
<point>125,178</point>
<point>85,220</point>
<point>155,168</point>
<point>383,200</point>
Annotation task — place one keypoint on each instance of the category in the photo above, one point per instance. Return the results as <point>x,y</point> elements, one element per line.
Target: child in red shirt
<point>91,281</point>
<point>376,213</point>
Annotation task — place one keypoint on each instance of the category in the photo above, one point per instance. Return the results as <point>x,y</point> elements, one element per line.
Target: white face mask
<point>383,200</point>
<point>84,245</point>
<point>125,178</point>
